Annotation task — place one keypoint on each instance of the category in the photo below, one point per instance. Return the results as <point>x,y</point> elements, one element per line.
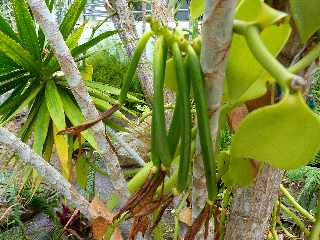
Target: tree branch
<point>123,19</point>
<point>49,173</point>
<point>50,28</point>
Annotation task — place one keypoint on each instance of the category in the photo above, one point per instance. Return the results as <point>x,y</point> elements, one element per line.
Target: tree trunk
<point>123,19</point>
<point>252,207</point>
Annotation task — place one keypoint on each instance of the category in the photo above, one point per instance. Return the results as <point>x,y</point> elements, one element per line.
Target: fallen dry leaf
<point>185,216</point>
<point>101,219</point>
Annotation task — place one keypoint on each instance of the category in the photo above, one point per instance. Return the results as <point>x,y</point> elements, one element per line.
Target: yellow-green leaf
<point>285,135</point>
<point>62,148</point>
<point>55,105</point>
<point>74,38</point>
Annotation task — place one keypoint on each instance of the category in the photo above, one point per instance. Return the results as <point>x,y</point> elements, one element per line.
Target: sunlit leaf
<point>62,148</point>
<point>284,135</point>
<point>26,28</point>
<point>55,105</point>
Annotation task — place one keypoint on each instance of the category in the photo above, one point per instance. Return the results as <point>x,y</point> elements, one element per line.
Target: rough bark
<point>216,38</point>
<point>51,175</point>
<point>123,19</point>
<point>50,28</point>
<point>160,11</point>
<point>251,208</point>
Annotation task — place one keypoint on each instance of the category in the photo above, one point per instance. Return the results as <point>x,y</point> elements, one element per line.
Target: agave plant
<point>28,72</point>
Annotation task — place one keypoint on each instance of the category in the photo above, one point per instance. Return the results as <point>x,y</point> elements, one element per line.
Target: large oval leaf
<point>285,135</point>
<point>307,17</point>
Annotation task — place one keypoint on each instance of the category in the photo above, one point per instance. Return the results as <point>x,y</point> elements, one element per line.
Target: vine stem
<point>296,205</point>
<point>251,32</point>
<point>306,61</point>
<point>294,217</point>
<point>315,232</point>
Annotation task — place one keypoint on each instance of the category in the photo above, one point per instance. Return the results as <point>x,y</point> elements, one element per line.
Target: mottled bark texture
<point>51,175</point>
<point>216,38</point>
<point>123,19</point>
<point>50,28</point>
<point>252,207</point>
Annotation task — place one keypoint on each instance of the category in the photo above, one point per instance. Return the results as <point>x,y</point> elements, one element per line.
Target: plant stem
<point>315,232</point>
<point>264,57</point>
<point>286,232</point>
<point>296,205</point>
<point>275,213</point>
<point>306,61</point>
<point>294,217</point>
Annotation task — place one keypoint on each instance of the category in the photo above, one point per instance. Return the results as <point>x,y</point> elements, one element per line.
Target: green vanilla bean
<point>159,140</point>
<point>141,45</point>
<point>195,75</point>
<point>185,123</point>
<point>174,130</point>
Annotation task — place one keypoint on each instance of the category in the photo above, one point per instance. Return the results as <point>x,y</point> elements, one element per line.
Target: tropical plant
<point>30,73</point>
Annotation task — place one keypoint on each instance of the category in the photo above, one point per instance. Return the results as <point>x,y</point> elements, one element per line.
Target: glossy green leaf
<point>284,135</point>
<point>306,16</point>
<point>196,8</point>
<point>76,117</point>
<point>26,130</point>
<point>72,17</point>
<point>10,84</point>
<point>170,78</point>
<point>23,100</point>
<point>247,79</point>
<point>110,90</point>
<point>48,145</point>
<point>6,28</point>
<point>26,27</point>
<point>87,45</point>
<point>55,105</point>
<point>17,53</point>
<point>41,126</point>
